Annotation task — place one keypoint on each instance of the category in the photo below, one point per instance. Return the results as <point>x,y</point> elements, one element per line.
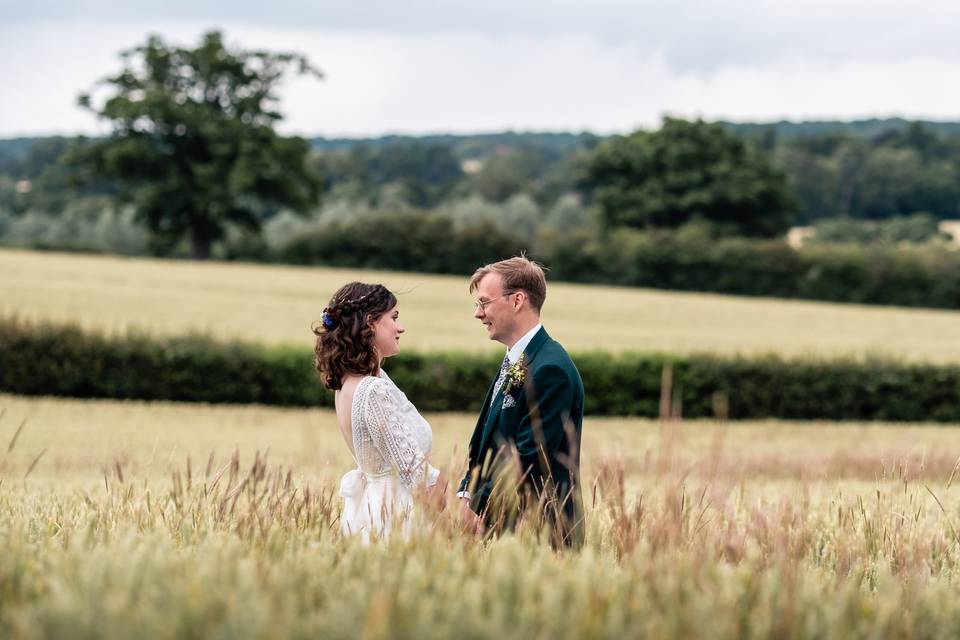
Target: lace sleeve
<point>392,438</point>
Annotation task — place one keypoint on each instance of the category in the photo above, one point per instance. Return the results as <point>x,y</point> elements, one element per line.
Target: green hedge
<point>901,276</point>
<point>409,241</point>
<point>688,259</point>
<point>691,260</point>
<point>45,359</point>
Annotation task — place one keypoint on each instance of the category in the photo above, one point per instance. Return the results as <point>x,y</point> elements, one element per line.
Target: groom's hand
<point>470,522</point>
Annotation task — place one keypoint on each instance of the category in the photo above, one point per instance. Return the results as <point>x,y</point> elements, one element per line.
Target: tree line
<point>194,162</point>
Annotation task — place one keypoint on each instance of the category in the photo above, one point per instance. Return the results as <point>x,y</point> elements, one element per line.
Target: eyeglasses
<point>482,304</point>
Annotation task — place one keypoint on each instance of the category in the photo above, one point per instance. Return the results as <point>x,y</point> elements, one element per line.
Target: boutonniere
<point>515,375</point>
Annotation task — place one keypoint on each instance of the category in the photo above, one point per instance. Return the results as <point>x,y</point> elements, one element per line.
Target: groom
<point>533,411</point>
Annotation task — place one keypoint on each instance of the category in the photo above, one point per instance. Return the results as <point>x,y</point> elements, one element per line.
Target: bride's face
<point>386,333</point>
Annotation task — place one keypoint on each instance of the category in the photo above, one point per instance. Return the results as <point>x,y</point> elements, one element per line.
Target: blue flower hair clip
<point>329,319</point>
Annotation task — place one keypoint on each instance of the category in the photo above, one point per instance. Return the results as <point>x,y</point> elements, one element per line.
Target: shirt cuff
<point>464,494</point>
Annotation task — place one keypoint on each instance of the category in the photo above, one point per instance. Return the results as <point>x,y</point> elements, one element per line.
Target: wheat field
<point>166,520</point>
<point>117,522</point>
<point>79,439</point>
<point>277,304</point>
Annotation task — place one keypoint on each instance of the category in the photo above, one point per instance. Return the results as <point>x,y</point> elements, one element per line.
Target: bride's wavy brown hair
<point>344,343</point>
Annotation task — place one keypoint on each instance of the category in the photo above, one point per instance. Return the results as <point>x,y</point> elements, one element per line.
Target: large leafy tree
<point>193,144</point>
<point>685,171</point>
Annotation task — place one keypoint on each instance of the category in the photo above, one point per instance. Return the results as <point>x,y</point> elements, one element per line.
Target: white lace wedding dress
<point>391,442</point>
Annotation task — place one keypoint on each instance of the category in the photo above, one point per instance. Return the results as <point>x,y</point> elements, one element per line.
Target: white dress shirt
<point>513,353</point>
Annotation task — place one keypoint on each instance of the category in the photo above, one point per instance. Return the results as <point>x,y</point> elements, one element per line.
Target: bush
<point>87,224</point>
<point>46,359</point>
<point>462,235</point>
<point>409,241</point>
<point>917,228</point>
<point>914,277</point>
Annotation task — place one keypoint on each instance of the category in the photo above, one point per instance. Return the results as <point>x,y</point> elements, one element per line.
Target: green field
<point>695,530</point>
<point>276,304</point>
<point>165,520</point>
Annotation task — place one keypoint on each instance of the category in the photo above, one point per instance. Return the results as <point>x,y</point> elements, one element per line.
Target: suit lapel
<point>492,413</point>
<point>480,429</point>
<point>539,339</point>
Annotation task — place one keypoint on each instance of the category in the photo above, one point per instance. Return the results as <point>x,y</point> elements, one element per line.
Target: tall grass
<point>249,552</point>
<point>694,530</point>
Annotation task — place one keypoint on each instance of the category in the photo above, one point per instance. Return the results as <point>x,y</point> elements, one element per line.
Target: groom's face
<point>494,309</point>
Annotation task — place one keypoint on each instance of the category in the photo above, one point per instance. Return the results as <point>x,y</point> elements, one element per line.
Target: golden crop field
<point>699,529</point>
<point>80,438</point>
<point>276,305</point>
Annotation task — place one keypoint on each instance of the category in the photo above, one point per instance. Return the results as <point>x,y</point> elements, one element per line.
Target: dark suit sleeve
<point>479,493</point>
<point>471,456</point>
<point>550,400</point>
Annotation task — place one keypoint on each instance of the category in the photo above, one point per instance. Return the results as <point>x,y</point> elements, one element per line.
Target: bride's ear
<point>371,323</point>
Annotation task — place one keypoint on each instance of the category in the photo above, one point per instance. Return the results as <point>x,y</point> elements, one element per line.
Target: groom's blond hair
<point>519,274</point>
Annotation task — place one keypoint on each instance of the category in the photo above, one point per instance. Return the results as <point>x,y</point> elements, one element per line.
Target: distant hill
<point>471,145</point>
<point>475,145</point>
<point>16,148</point>
<point>467,145</point>
<point>859,128</point>
<point>561,143</point>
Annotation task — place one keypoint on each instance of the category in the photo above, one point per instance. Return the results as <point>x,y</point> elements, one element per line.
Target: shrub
<point>47,359</point>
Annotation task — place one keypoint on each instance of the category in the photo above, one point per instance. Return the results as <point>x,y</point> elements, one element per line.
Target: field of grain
<point>276,304</point>
<point>115,522</point>
<point>78,439</point>
<point>166,520</point>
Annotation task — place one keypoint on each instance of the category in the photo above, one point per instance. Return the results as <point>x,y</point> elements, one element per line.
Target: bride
<point>389,439</point>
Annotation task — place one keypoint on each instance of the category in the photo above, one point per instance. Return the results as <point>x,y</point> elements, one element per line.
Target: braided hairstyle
<point>344,335</point>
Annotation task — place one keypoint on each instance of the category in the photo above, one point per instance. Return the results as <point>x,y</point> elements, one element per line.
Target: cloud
<point>379,82</point>
<point>691,35</point>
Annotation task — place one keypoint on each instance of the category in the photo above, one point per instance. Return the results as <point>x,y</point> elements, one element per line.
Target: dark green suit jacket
<point>540,426</point>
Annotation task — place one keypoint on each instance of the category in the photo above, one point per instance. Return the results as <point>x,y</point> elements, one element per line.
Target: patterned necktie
<point>503,374</point>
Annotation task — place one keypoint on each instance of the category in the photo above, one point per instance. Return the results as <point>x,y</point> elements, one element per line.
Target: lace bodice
<point>389,434</point>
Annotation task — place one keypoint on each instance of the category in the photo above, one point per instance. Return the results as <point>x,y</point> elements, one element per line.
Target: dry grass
<point>276,304</point>
<point>694,530</point>
<point>150,440</point>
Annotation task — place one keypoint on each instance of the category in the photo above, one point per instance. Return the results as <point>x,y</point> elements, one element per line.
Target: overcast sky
<point>423,67</point>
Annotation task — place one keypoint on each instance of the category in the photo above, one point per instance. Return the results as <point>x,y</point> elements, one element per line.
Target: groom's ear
<point>518,302</point>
